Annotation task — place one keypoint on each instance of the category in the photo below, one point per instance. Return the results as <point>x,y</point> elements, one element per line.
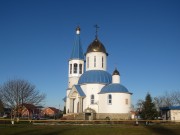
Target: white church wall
<point>72,81</point>
<point>91,89</point>
<point>76,100</point>
<point>83,87</point>
<point>90,61</point>
<point>67,100</point>
<point>118,104</point>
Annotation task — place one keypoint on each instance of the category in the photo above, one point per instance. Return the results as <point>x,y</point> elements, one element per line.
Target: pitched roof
<point>170,108</point>
<point>80,91</point>
<point>29,106</point>
<point>54,109</point>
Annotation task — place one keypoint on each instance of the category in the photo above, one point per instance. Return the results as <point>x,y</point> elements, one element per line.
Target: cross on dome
<point>97,27</point>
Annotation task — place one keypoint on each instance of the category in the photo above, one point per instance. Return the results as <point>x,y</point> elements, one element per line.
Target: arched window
<point>75,67</point>
<point>92,99</point>
<point>102,62</point>
<point>70,68</point>
<point>80,68</point>
<point>87,62</point>
<point>126,101</point>
<point>109,99</point>
<point>94,61</point>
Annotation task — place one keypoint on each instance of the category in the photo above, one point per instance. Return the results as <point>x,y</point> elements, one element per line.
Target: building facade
<point>92,92</point>
<point>171,113</point>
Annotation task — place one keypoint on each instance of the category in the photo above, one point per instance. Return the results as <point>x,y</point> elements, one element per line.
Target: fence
<point>86,122</point>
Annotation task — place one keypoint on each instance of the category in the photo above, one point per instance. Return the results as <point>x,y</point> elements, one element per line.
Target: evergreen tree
<point>148,111</point>
<point>64,111</point>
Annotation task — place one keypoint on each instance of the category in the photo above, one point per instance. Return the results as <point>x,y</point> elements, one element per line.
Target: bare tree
<point>16,92</point>
<point>168,99</point>
<point>139,106</point>
<point>176,97</point>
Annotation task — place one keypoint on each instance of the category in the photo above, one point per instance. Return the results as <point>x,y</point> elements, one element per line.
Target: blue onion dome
<point>95,76</point>
<point>116,72</point>
<point>96,46</point>
<point>114,88</point>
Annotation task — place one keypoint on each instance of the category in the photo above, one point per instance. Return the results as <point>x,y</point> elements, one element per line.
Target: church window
<point>109,99</point>
<point>70,68</point>
<point>80,68</point>
<point>87,62</point>
<point>94,61</point>
<point>126,101</point>
<point>92,99</point>
<point>75,67</point>
<point>102,62</point>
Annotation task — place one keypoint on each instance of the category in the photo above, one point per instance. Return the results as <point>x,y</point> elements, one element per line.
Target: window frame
<point>80,68</point>
<point>75,71</point>
<point>92,99</point>
<point>102,61</point>
<point>70,69</point>
<point>94,61</point>
<point>109,99</point>
<point>87,62</point>
<point>126,101</point>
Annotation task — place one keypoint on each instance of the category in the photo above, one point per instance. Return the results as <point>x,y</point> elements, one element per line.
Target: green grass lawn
<point>120,129</point>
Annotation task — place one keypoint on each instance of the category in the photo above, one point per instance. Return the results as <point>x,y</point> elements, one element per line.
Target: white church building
<point>92,92</point>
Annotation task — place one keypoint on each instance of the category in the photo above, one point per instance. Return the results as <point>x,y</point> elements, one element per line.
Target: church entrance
<point>89,114</point>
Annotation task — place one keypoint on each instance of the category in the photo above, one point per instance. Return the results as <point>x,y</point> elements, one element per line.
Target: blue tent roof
<point>114,88</point>
<point>170,108</point>
<point>95,76</point>
<point>77,52</point>
<point>80,91</point>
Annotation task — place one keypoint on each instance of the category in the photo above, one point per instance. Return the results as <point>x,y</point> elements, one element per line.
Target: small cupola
<point>116,72</point>
<point>116,76</point>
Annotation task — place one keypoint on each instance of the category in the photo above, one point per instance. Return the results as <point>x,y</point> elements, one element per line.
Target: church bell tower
<point>76,61</point>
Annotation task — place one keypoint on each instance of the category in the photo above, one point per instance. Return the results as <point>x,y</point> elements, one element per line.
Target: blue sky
<point>141,37</point>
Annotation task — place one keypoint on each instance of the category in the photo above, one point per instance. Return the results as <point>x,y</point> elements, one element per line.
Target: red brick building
<point>29,111</point>
<point>50,111</point>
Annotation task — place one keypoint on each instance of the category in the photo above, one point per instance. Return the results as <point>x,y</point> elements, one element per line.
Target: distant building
<point>50,111</point>
<point>29,111</point>
<point>92,92</point>
<point>171,113</point>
